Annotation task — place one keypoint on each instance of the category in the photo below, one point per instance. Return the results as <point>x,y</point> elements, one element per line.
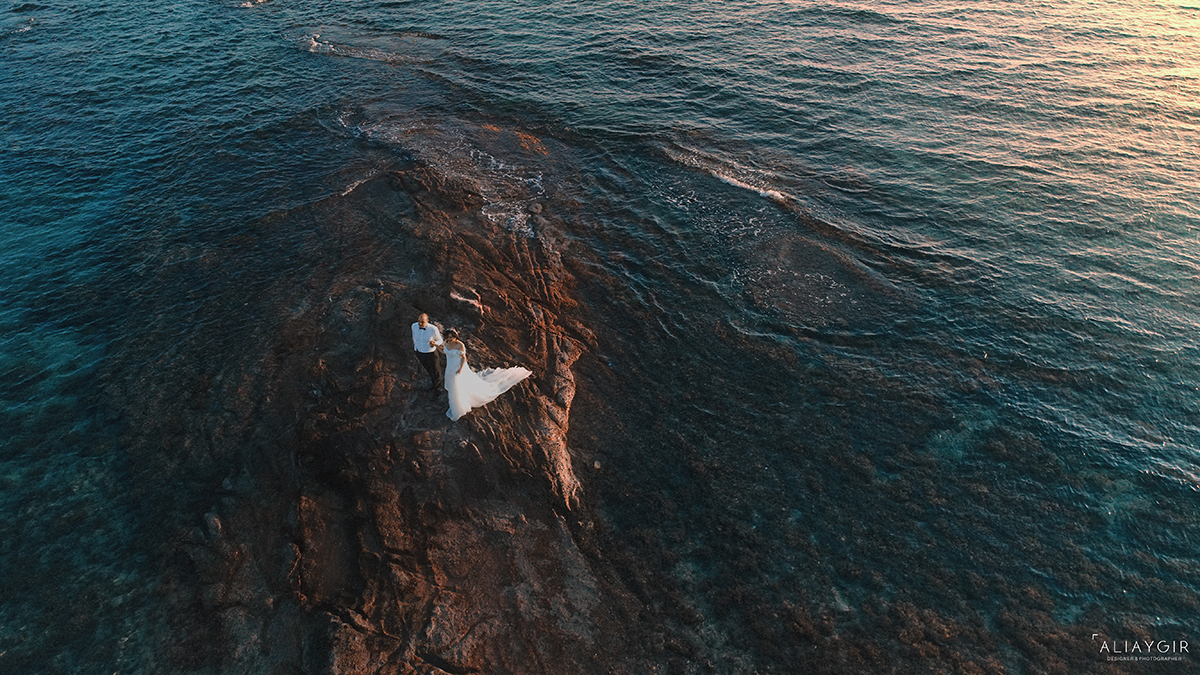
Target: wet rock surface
<point>357,529</point>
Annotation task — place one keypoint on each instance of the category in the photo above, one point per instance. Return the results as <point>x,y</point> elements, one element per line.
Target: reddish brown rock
<point>357,529</point>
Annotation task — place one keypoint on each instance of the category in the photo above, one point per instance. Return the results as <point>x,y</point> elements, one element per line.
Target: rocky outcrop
<point>358,529</point>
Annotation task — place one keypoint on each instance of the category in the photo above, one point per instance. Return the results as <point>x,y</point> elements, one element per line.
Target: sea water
<point>968,231</point>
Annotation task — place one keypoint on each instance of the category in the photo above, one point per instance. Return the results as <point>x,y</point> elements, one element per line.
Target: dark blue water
<point>966,235</point>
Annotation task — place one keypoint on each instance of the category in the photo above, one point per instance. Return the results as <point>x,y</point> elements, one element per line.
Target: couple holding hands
<point>466,388</point>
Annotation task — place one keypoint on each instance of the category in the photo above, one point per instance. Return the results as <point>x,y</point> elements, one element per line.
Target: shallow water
<point>896,302</point>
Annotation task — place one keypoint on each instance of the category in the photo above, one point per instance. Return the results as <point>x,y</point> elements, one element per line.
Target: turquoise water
<point>968,234</point>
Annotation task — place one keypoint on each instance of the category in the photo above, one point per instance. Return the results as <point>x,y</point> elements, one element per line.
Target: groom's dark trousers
<point>430,361</point>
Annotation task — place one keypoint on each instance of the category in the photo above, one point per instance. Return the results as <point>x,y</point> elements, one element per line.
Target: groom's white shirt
<point>422,336</point>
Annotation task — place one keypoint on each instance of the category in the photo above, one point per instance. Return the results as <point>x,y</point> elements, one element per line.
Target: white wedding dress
<point>470,389</point>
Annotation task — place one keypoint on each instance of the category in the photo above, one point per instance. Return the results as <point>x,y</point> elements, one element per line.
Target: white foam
<point>699,160</point>
<point>317,46</point>
<point>769,194</point>
<point>358,182</point>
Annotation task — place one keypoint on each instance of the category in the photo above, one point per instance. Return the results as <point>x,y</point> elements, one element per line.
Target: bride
<point>469,389</point>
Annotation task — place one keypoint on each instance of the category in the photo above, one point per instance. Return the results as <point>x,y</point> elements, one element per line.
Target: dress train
<point>469,389</point>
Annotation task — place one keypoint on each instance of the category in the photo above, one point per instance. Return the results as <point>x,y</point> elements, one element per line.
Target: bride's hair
<point>451,334</point>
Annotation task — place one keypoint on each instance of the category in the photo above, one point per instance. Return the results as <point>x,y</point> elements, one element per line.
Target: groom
<point>426,339</point>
